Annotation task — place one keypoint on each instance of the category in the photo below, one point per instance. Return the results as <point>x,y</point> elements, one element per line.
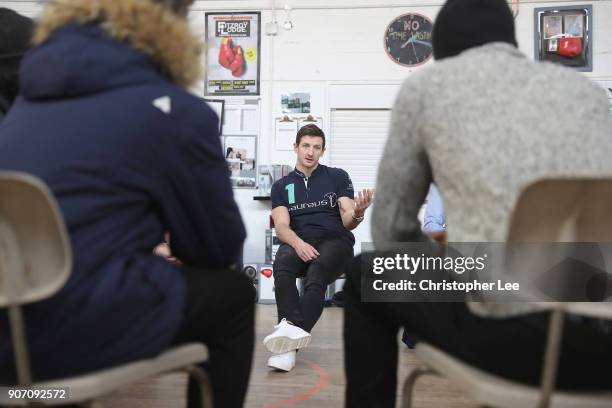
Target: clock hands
<point>412,40</point>
<point>413,49</point>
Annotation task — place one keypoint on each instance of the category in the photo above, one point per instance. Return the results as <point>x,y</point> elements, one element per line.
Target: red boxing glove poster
<point>232,63</point>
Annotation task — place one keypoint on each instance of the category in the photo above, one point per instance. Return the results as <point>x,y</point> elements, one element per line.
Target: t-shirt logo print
<point>332,199</point>
<point>290,193</point>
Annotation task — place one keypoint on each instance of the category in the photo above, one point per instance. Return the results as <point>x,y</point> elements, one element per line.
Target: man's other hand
<point>306,252</point>
<point>163,250</point>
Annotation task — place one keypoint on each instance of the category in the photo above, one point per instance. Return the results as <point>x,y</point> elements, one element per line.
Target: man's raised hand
<point>362,201</point>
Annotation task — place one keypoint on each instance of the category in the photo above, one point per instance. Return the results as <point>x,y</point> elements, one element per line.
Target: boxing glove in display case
<point>563,35</point>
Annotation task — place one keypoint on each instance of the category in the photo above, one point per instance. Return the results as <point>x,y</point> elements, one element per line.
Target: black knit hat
<point>15,33</point>
<point>463,24</point>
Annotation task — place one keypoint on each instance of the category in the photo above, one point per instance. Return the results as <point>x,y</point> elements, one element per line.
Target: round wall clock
<point>408,39</point>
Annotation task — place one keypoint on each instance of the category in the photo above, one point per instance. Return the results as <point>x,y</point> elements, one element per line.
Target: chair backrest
<point>35,255</point>
<point>566,210</point>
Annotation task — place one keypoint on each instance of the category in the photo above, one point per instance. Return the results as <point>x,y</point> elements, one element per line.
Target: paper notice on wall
<point>286,129</point>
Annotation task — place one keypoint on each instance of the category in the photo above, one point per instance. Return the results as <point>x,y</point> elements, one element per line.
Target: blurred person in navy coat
<point>105,120</point>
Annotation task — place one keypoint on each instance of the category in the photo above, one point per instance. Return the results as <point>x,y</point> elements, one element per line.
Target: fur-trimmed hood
<point>146,26</point>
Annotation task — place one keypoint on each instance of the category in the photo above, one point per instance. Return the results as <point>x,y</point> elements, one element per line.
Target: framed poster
<point>232,61</point>
<point>217,105</point>
<point>240,154</point>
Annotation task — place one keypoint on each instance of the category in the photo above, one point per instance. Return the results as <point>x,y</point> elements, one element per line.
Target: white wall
<point>335,52</point>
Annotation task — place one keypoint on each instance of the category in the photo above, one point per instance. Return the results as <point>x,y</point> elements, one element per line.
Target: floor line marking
<point>323,382</point>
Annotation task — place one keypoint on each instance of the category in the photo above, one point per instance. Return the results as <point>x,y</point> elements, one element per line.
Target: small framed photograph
<point>553,27</point>
<point>240,154</point>
<point>298,102</point>
<point>574,25</point>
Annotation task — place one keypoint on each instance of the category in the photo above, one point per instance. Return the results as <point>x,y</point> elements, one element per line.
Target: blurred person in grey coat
<point>482,123</point>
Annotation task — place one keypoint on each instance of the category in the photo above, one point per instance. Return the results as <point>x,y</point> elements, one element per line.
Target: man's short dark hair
<point>309,130</point>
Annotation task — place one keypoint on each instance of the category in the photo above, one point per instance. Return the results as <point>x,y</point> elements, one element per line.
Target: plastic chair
<point>554,210</point>
<point>35,262</point>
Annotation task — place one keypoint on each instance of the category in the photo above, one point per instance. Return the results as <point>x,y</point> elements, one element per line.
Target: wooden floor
<point>317,380</point>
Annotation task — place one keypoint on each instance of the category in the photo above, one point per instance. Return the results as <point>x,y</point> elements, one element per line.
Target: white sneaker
<point>286,337</point>
<point>283,362</point>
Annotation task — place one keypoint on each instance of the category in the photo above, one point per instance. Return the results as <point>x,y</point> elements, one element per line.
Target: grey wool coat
<point>483,125</point>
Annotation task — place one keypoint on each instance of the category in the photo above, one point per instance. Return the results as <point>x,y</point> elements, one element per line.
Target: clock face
<point>408,39</point>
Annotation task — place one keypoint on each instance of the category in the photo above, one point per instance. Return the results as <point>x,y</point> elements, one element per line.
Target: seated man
<point>313,212</point>
<point>106,121</point>
<point>487,121</point>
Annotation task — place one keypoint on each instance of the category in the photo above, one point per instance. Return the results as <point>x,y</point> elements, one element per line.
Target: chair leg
<point>409,384</point>
<point>206,392</point>
<point>551,357</point>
